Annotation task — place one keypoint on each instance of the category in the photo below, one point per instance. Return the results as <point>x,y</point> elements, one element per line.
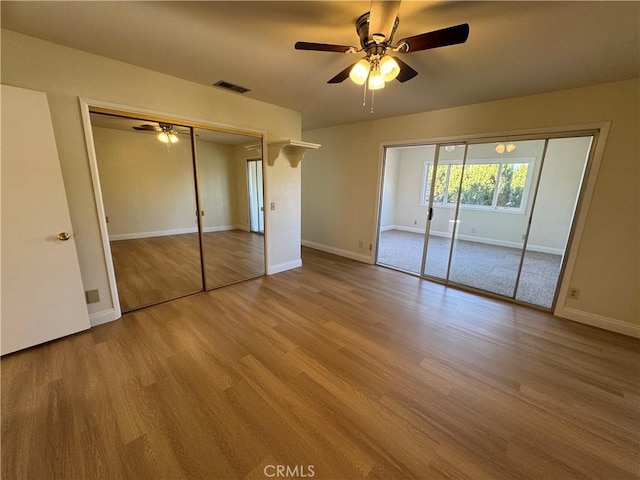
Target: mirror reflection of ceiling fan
<point>379,65</point>
<point>167,133</point>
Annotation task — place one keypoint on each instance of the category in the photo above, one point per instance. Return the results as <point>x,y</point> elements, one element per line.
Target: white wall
<point>341,181</point>
<point>66,74</point>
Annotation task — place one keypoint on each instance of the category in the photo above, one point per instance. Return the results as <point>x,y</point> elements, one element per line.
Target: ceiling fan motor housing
<point>369,44</point>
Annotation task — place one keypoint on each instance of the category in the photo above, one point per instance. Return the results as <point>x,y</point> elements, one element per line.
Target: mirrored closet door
<point>231,251</point>
<point>176,203</point>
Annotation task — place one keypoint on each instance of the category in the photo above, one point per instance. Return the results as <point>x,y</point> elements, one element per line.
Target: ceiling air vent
<point>231,86</point>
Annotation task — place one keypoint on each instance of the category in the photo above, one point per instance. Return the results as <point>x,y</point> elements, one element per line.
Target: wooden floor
<point>156,269</point>
<point>337,369</point>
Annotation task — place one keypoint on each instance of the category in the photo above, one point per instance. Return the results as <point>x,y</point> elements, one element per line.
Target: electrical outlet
<point>273,206</point>
<point>573,293</point>
<point>92,296</point>
<point>415,222</point>
<point>360,244</point>
<point>370,246</point>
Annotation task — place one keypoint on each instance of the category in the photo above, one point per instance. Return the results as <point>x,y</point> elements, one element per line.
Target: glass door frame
<point>598,132</point>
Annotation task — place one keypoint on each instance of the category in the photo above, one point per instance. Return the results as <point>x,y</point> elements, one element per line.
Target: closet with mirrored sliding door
<point>176,201</point>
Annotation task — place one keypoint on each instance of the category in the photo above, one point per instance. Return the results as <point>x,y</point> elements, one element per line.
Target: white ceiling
<point>514,48</point>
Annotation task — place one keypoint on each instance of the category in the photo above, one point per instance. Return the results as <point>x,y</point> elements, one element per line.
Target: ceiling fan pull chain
<point>373,100</point>
<point>364,95</point>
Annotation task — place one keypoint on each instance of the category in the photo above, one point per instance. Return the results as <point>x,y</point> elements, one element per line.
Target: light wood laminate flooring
<point>156,269</point>
<point>340,369</point>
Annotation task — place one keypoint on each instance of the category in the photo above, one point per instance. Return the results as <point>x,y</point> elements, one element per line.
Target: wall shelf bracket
<point>291,150</point>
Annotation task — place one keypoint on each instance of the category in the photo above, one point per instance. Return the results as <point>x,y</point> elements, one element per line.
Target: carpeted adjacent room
<point>479,265</point>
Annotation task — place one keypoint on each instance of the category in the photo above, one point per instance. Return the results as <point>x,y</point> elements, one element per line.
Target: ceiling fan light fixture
<point>376,80</point>
<point>389,68</point>
<point>501,147</point>
<point>167,136</point>
<point>360,72</point>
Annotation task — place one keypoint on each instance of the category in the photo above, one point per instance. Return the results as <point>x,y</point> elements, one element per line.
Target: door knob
<point>64,236</point>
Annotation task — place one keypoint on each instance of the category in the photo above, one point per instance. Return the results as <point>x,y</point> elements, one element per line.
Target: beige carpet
<point>486,267</point>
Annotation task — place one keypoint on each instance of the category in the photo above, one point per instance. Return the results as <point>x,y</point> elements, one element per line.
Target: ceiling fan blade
<point>323,47</point>
<point>406,72</point>
<point>343,75</point>
<point>146,127</point>
<point>438,38</point>
<point>382,17</point>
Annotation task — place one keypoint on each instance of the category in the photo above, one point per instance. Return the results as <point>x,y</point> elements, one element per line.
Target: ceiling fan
<point>166,132</point>
<point>376,29</point>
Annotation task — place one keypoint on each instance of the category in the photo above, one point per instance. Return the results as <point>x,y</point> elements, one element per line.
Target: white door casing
<point>42,293</point>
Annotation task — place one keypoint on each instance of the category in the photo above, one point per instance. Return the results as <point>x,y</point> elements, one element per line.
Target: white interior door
<point>42,293</point>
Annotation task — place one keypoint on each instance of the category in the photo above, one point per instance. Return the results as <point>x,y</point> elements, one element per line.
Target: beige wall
<point>66,74</point>
<point>340,186</point>
<point>222,186</point>
<point>147,190</point>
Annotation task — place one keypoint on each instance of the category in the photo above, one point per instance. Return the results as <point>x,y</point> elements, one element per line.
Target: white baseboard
<point>599,321</point>
<point>158,233</point>
<point>225,228</point>
<point>338,251</point>
<point>473,238</point>
<point>104,316</point>
<point>407,229</point>
<point>176,231</point>
<point>544,249</point>
<point>281,267</point>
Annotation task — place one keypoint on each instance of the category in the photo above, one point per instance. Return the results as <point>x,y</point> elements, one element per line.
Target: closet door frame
<point>87,106</point>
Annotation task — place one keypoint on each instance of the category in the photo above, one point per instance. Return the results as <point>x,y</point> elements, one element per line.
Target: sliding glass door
<point>441,188</point>
<point>403,210</point>
<point>495,202</point>
<point>551,220</point>
<point>497,215</point>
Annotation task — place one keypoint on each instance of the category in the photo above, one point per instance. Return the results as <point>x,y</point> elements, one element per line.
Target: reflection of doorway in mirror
<point>256,198</point>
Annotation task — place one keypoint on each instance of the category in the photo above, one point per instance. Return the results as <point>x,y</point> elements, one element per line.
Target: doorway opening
<point>494,215</point>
